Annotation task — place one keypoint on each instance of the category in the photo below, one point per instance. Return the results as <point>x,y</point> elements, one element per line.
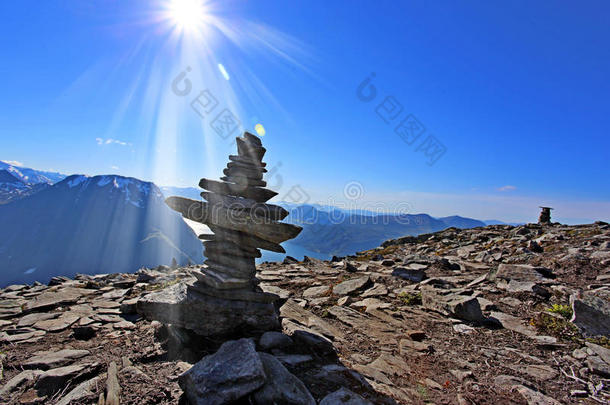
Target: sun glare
<point>187,15</point>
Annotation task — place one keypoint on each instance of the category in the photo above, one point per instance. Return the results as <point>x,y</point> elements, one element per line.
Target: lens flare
<point>260,129</point>
<point>187,15</point>
<point>223,71</point>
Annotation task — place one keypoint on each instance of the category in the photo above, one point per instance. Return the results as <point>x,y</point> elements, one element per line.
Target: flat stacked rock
<point>236,211</point>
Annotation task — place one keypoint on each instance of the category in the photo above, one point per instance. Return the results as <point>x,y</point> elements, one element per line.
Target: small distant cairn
<point>226,297</point>
<point>545,216</point>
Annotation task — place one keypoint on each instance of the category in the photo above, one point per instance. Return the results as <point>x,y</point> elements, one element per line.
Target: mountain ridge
<point>91,224</point>
<point>32,176</point>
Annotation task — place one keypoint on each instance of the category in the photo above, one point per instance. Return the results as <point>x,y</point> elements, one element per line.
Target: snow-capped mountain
<point>31,176</point>
<point>17,182</point>
<point>100,224</point>
<point>134,191</point>
<point>13,188</point>
<point>9,182</point>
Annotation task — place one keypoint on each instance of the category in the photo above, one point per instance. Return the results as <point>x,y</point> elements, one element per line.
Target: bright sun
<point>187,15</point>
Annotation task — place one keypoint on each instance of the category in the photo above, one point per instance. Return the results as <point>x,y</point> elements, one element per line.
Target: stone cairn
<point>545,216</point>
<point>226,292</point>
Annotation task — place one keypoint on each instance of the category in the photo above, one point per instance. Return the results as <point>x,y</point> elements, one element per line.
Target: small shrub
<point>161,286</point>
<point>410,298</point>
<point>563,310</point>
<point>368,255</point>
<point>556,326</point>
<point>422,391</point>
<point>603,341</point>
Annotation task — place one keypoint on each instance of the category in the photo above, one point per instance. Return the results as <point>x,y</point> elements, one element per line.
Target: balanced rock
<point>225,298</point>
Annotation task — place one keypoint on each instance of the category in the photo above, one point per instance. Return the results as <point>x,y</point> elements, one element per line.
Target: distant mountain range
<point>101,224</point>
<point>331,232</point>
<point>57,225</point>
<point>496,222</point>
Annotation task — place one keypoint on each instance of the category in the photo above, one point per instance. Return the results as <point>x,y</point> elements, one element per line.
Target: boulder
<point>534,397</point>
<point>343,396</point>
<point>514,286</point>
<point>350,267</point>
<point>53,298</point>
<point>351,286</point>
<point>58,324</point>
<point>274,340</point>
<point>54,359</point>
<point>376,290</point>
<point>407,346</point>
<point>57,379</point>
<point>12,385</point>
<point>600,351</point>
<point>113,389</point>
<point>31,319</point>
<point>523,273</point>
<point>233,372</point>
<point>294,360</point>
<point>451,303</point>
<point>81,391</point>
<point>281,387</point>
<point>415,275</point>
<point>591,313</point>
<point>316,291</point>
<point>391,365</point>
<point>317,343</point>
<point>513,323</point>
<point>598,366</point>
<point>291,310</point>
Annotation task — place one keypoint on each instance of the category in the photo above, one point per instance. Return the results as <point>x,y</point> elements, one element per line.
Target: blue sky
<point>516,94</point>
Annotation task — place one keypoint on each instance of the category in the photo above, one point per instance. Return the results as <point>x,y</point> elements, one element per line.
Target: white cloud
<point>507,188</point>
<point>13,162</point>
<point>114,167</point>
<point>101,141</point>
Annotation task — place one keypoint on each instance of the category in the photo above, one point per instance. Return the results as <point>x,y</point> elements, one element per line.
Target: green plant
<point>410,298</point>
<point>422,391</point>
<point>603,341</point>
<point>161,286</point>
<point>2,357</point>
<point>556,326</point>
<point>369,254</point>
<point>563,310</point>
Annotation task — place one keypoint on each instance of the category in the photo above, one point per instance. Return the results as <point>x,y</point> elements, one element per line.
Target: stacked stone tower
<point>226,289</point>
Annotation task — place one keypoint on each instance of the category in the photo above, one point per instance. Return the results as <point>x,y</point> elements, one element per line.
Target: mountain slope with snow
<point>101,224</point>
<point>32,176</point>
<point>12,188</point>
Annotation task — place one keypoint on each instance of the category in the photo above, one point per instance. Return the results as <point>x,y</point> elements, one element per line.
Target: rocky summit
<point>497,314</point>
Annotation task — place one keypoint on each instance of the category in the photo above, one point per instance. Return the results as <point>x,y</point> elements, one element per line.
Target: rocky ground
<point>499,314</point>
